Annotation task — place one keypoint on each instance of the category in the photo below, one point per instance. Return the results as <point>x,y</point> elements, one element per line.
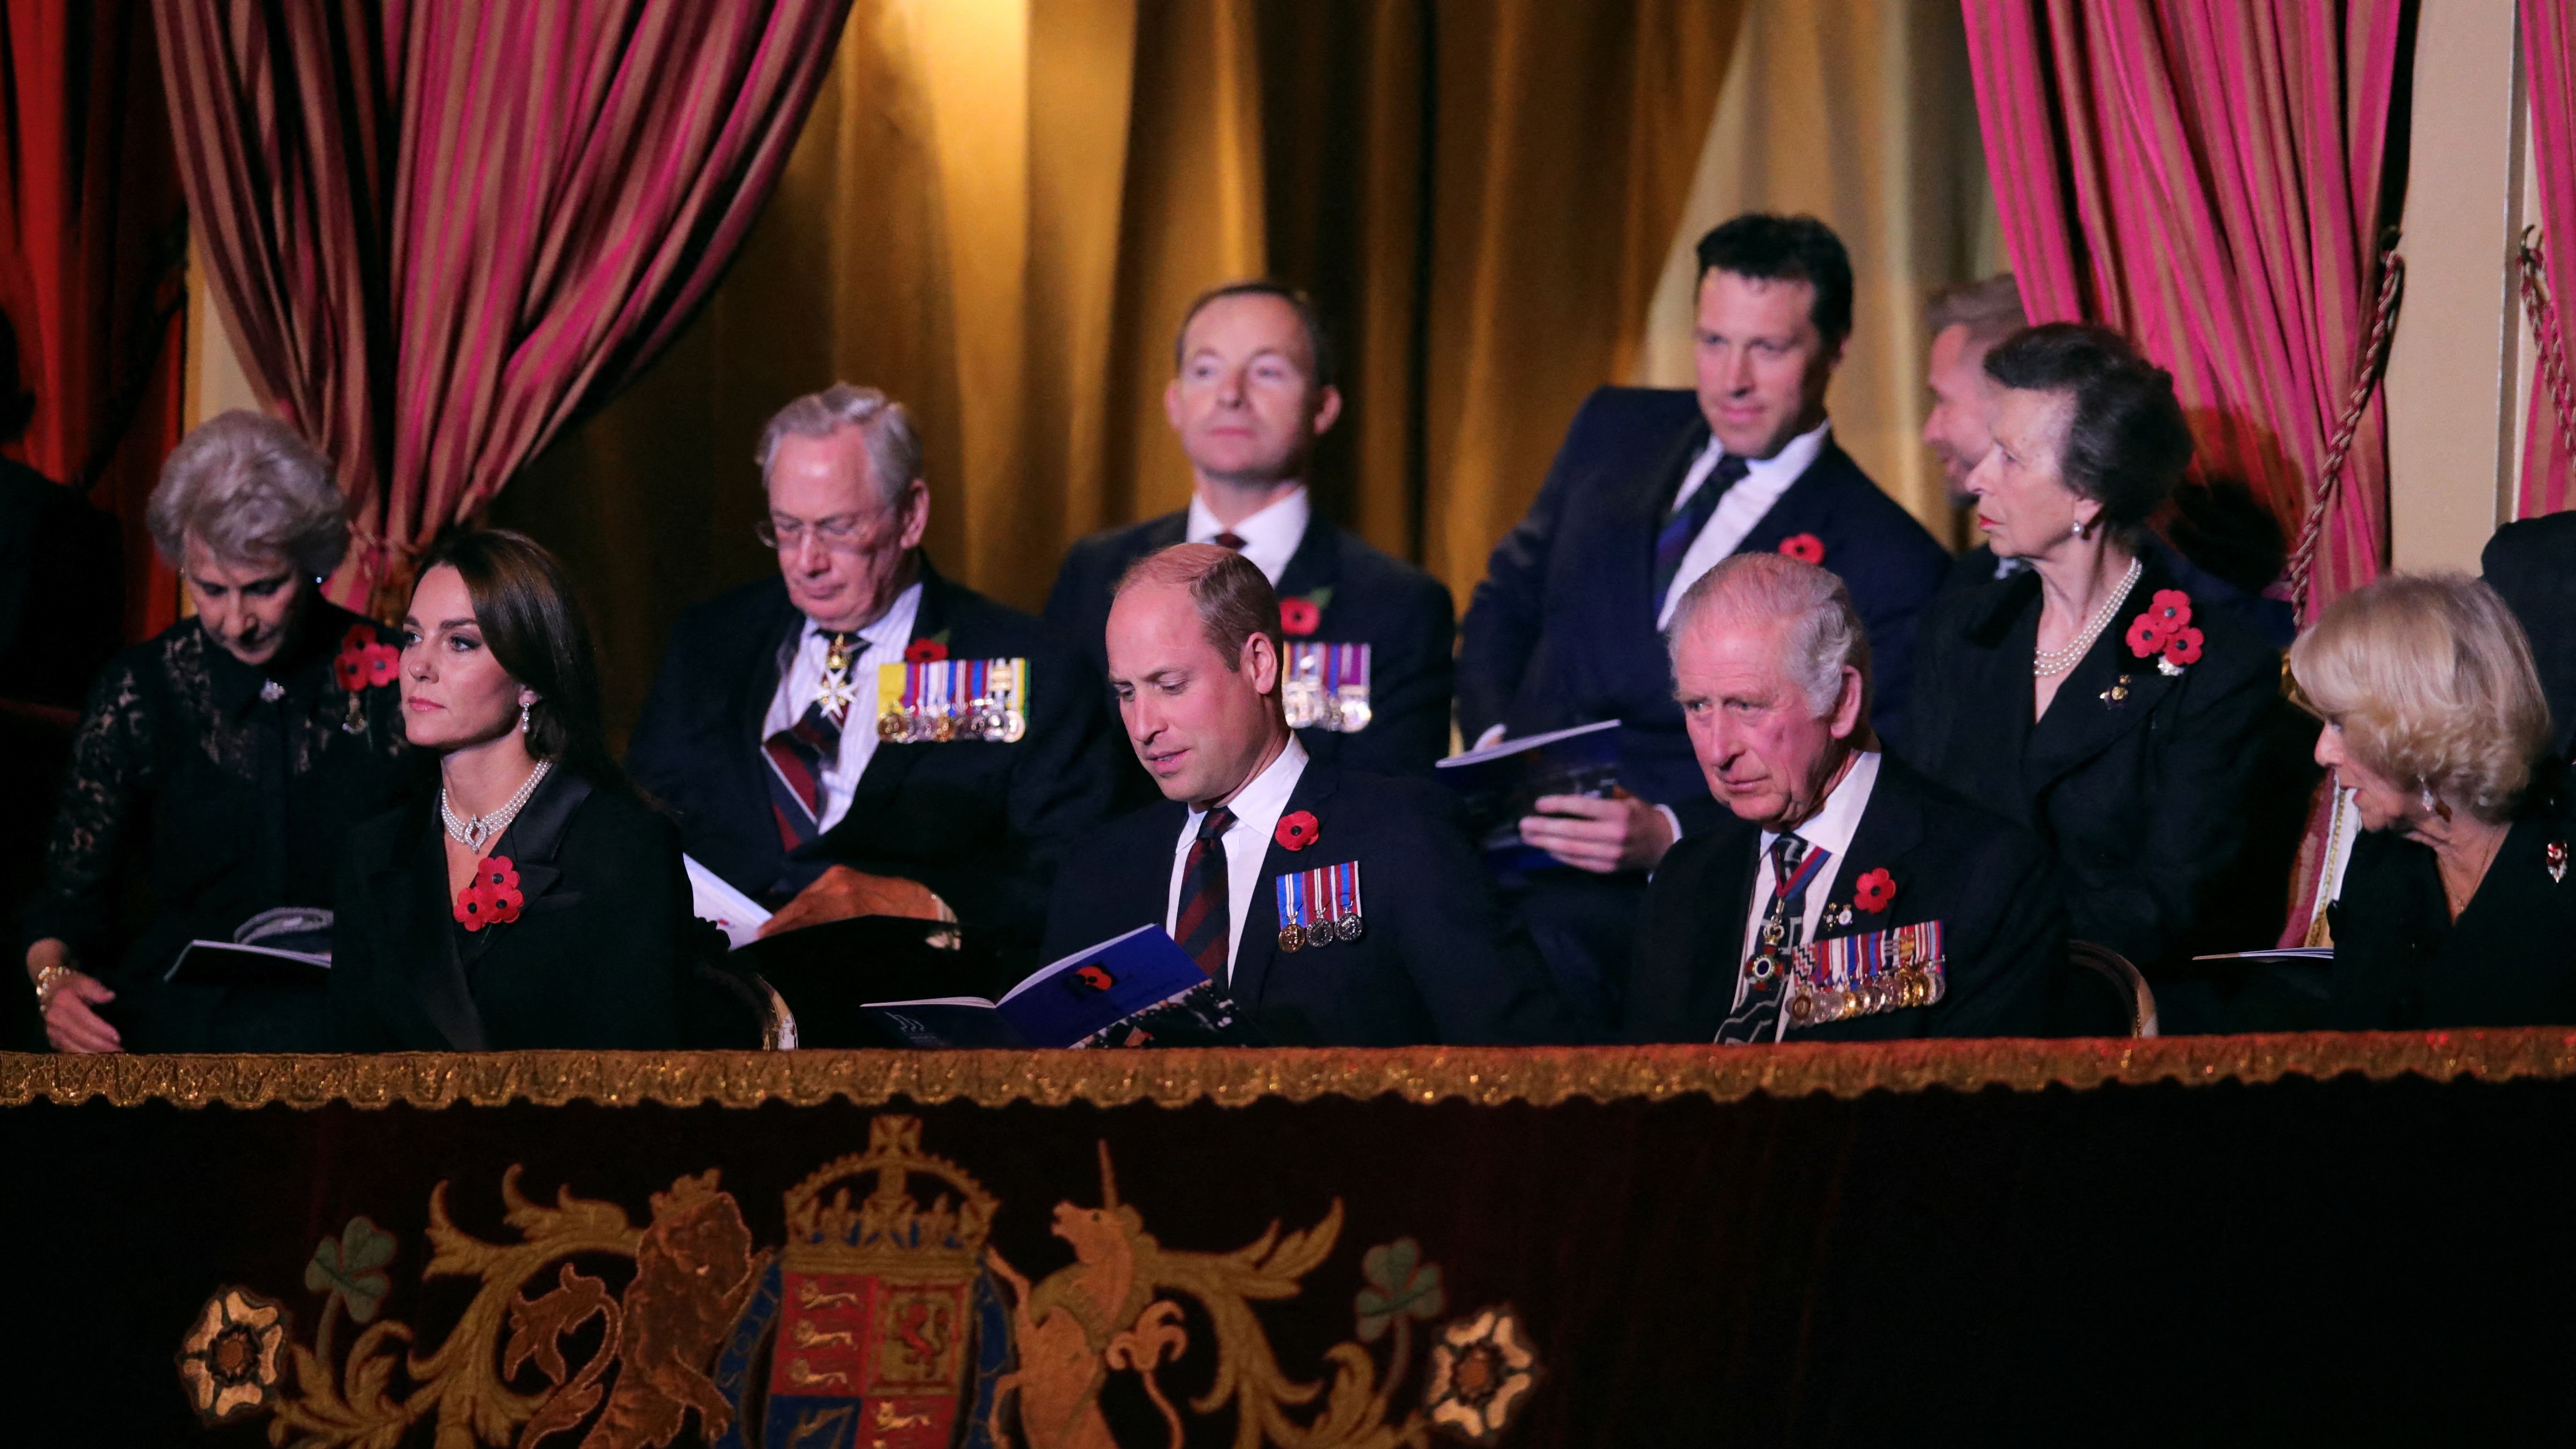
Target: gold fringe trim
<point>1486,1076</point>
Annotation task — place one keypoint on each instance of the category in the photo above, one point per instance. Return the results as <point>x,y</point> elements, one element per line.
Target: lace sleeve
<point>104,784</point>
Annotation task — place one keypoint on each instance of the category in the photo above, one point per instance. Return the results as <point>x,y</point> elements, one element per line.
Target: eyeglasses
<point>846,533</point>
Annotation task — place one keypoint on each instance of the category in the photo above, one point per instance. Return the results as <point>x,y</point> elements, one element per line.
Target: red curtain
<point>2205,175</point>
<point>93,263</point>
<point>2549,67</point>
<point>440,230</point>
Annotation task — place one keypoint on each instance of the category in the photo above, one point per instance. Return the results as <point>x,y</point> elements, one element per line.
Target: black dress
<point>2401,963</point>
<point>214,790</point>
<point>2171,798</point>
<point>597,957</point>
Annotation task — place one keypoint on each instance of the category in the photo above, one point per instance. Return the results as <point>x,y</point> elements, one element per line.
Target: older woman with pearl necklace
<point>2092,696</point>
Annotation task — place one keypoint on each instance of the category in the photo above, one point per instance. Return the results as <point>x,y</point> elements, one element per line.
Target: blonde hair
<point>2430,679</point>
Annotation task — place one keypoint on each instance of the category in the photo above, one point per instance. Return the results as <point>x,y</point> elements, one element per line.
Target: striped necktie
<point>798,754</point>
<point>1763,982</point>
<point>1688,519</point>
<point>1203,923</point>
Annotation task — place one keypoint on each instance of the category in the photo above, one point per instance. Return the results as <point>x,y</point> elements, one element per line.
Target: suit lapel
<point>1801,507</point>
<point>424,980</point>
<point>1649,497</point>
<point>1891,826</point>
<point>1721,951</point>
<point>891,763</point>
<point>1316,565</point>
<point>2108,693</point>
<point>1259,946</point>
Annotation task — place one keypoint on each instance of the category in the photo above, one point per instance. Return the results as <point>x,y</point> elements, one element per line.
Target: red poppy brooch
<point>2164,631</point>
<point>924,651</point>
<point>1299,617</point>
<point>362,662</point>
<point>1806,548</point>
<point>492,898</point>
<point>1874,891</point>
<point>1297,830</point>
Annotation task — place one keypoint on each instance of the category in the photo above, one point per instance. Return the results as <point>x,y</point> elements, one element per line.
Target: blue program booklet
<point>1501,783</point>
<point>1135,990</point>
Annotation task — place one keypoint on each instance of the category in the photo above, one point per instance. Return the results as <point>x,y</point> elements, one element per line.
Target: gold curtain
<point>999,207</point>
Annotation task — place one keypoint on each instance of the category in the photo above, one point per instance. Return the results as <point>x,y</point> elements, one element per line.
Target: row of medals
<point>983,719</point>
<point>1908,985</point>
<point>1321,933</point>
<point>1346,711</point>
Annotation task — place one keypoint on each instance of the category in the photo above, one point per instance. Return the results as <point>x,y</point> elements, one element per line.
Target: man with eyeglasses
<point>860,736</point>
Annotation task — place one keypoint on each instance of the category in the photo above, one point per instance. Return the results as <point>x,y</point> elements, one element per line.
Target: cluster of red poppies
<point>492,898</point>
<point>362,662</point>
<point>2165,628</point>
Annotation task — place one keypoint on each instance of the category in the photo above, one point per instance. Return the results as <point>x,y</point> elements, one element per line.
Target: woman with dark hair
<point>532,900</point>
<point>2091,696</point>
<point>219,765</point>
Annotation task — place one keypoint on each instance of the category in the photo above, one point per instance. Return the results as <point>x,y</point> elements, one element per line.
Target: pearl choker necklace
<point>2044,665</point>
<point>471,832</point>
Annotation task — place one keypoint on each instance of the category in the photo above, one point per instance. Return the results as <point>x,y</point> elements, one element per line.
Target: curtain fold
<point>2549,71</point>
<point>439,231</point>
<point>93,264</point>
<point>2207,176</point>
<point>998,209</point>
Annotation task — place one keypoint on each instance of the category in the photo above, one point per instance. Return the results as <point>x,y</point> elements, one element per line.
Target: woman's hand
<point>841,893</point>
<point>65,995</point>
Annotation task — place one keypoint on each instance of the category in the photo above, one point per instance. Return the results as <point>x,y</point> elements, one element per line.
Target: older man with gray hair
<point>1850,898</point>
<point>857,735</point>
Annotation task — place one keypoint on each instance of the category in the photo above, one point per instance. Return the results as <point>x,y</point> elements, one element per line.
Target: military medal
<point>1319,907</point>
<point>1847,976</point>
<point>1326,686</point>
<point>940,701</point>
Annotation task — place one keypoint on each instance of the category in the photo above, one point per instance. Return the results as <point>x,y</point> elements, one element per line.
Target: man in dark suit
<point>2532,564</point>
<point>1845,897</point>
<point>1394,931</point>
<point>1964,322</point>
<point>1649,490</point>
<point>802,778</point>
<point>1252,391</point>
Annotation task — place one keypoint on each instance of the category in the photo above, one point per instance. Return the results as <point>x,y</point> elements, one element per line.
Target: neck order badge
<point>1327,687</point>
<point>935,701</point>
<point>1320,906</point>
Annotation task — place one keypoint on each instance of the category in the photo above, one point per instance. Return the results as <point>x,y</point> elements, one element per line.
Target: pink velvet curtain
<point>439,230</point>
<point>2549,69</point>
<point>2205,176</point>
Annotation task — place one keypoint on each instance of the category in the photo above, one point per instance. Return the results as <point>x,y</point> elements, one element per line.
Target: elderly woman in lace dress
<point>218,764</point>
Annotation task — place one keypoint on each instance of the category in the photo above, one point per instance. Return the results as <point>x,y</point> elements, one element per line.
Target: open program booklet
<point>1499,786</point>
<point>1135,990</point>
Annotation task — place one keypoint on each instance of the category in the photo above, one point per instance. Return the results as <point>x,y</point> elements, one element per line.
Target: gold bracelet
<point>49,981</point>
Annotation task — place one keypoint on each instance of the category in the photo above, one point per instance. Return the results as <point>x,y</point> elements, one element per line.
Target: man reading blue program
<point>1337,908</point>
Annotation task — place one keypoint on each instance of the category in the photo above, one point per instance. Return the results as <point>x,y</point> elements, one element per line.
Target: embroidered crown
<point>889,1231</point>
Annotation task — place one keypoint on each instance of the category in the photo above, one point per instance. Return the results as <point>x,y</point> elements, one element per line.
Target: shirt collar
<point>1259,804</point>
<point>897,619</point>
<point>1794,458</point>
<point>1270,537</point>
<point>1838,819</point>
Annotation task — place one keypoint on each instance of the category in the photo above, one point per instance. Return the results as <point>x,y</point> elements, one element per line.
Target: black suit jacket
<point>2144,783</point>
<point>979,822</point>
<point>1427,970</point>
<point>2402,964</point>
<point>1403,614</point>
<point>1988,882</point>
<point>1562,629</point>
<point>597,958</point>
<point>2533,565</point>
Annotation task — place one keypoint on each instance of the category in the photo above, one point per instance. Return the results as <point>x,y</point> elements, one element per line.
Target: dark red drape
<point>440,230</point>
<point>93,263</point>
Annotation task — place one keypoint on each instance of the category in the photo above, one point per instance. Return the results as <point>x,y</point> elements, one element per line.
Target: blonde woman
<point>2456,909</point>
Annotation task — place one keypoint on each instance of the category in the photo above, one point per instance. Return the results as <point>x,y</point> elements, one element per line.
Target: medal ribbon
<point>1815,861</point>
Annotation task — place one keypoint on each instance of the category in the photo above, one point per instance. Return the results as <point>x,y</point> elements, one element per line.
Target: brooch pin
<point>1874,891</point>
<point>2117,692</point>
<point>1804,547</point>
<point>2557,854</point>
<point>2165,630</point>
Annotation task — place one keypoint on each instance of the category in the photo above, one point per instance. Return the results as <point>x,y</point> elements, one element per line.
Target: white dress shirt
<point>1831,828</point>
<point>1765,479</point>
<point>802,680</point>
<point>1257,807</point>
<point>1270,537</point>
